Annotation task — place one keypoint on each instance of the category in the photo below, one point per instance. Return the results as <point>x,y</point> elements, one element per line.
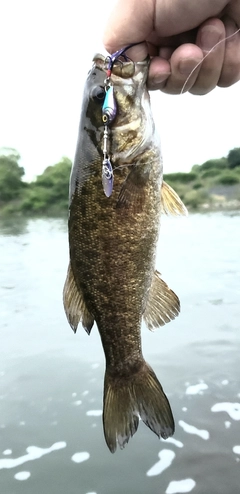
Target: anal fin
<point>74,304</point>
<point>171,202</point>
<point>162,305</point>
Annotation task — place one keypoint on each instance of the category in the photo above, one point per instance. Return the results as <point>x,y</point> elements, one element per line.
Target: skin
<point>112,251</point>
<point>177,34</point>
<point>107,244</point>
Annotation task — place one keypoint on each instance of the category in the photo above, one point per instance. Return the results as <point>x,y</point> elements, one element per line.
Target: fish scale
<point>111,277</point>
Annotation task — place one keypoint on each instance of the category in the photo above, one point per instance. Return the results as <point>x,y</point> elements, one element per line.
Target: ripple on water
<point>236,450</point>
<point>177,486</point>
<point>77,403</point>
<point>171,440</point>
<point>85,393</point>
<point>94,413</point>
<point>33,453</point>
<point>233,409</point>
<point>80,457</point>
<point>7,452</point>
<point>227,424</point>
<point>196,389</point>
<point>166,458</point>
<point>191,429</point>
<point>22,475</point>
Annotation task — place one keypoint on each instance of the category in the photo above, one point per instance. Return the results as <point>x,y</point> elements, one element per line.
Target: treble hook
<point>117,54</point>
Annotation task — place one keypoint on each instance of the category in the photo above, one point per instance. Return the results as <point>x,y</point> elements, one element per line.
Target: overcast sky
<point>46,51</point>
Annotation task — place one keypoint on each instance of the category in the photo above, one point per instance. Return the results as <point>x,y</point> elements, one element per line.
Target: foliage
<point>11,174</point>
<point>215,164</point>
<point>212,172</point>
<point>196,168</point>
<point>197,185</point>
<point>56,176</point>
<point>180,177</point>
<point>194,198</point>
<point>234,158</point>
<point>227,178</point>
<point>49,193</point>
<point>198,188</point>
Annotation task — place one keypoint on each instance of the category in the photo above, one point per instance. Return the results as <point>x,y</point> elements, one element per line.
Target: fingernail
<point>155,83</point>
<point>158,79</point>
<point>209,37</point>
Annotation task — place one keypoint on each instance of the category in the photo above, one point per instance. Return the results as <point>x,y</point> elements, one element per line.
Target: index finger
<point>128,23</point>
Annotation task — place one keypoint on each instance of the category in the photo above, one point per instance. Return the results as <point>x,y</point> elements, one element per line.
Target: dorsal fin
<point>162,304</point>
<point>74,304</point>
<point>171,202</point>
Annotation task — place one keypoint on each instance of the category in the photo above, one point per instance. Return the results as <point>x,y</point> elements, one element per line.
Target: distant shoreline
<point>220,204</point>
<point>211,186</point>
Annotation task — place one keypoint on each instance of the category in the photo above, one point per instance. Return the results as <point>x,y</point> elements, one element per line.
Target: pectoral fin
<point>132,193</point>
<point>162,305</point>
<point>74,304</point>
<point>171,202</point>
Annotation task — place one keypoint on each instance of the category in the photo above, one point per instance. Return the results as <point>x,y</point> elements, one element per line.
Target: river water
<point>51,438</point>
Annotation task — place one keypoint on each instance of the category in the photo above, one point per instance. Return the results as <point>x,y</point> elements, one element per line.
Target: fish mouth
<point>122,69</point>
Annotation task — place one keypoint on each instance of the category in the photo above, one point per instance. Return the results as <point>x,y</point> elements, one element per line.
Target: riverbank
<point>212,186</point>
<point>221,198</point>
<point>195,202</point>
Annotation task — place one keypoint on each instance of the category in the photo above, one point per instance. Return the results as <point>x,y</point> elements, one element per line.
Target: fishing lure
<point>109,112</point>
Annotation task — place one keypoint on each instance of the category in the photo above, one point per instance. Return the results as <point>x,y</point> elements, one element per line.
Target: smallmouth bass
<point>111,277</point>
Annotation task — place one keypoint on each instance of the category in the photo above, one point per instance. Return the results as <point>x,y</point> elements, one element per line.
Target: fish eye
<point>98,94</point>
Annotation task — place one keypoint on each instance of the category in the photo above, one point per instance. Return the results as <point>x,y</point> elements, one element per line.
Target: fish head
<point>133,125</point>
<point>132,130</point>
<point>128,80</point>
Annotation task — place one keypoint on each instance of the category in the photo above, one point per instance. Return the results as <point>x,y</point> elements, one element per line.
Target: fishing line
<point>126,165</point>
<point>210,51</point>
<point>109,112</point>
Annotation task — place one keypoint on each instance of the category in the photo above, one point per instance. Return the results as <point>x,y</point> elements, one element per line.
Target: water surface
<point>51,437</point>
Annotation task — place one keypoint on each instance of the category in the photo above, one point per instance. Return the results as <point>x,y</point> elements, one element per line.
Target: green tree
<point>11,174</point>
<point>56,178</point>
<point>233,158</point>
<point>49,193</point>
<point>196,168</point>
<point>227,178</point>
<point>215,164</point>
<point>181,177</point>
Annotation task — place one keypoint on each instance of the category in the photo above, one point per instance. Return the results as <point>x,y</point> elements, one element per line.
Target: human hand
<point>177,34</point>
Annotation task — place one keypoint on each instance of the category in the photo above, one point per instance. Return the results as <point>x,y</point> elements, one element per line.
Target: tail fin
<point>126,399</point>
